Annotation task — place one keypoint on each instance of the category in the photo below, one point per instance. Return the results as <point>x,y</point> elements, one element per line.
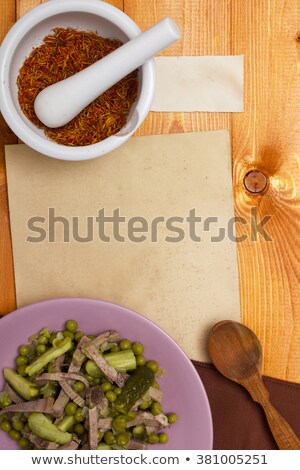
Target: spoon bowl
<point>243,350</point>
<point>236,352</point>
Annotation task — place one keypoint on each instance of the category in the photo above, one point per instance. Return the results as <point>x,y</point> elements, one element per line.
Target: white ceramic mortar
<point>29,32</point>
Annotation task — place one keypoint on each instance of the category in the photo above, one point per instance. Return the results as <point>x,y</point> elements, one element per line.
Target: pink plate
<point>183,390</point>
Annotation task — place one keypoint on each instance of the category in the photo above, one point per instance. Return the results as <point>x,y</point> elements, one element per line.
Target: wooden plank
<point>267,137</point>
<point>205,28</point>
<point>7,283</point>
<point>23,6</point>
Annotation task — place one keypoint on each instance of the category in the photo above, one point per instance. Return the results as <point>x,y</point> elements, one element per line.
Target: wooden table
<point>266,137</point>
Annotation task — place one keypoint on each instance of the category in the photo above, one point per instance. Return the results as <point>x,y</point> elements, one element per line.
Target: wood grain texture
<point>265,136</point>
<point>23,6</point>
<point>204,26</point>
<point>7,283</point>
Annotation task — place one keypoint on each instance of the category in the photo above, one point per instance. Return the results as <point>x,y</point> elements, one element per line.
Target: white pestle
<point>59,103</point>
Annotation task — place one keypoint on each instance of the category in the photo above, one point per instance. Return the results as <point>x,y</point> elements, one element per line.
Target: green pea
<point>152,438</point>
<point>18,425</point>
<point>109,438</point>
<point>106,386</point>
<point>172,418</point>
<point>43,340</point>
<point>115,348</point>
<point>140,360</point>
<point>119,423</point>
<point>103,446</point>
<point>53,337</point>
<point>156,408</point>
<point>78,386</point>
<point>163,438</point>
<point>71,325</point>
<point>14,434</point>
<point>5,401</point>
<point>130,416</point>
<point>23,350</point>
<point>45,332</point>
<point>23,442</point>
<point>100,435</point>
<point>93,370</point>
<point>139,431</point>
<point>78,335</point>
<point>124,344</point>
<point>156,385</point>
<point>68,334</point>
<point>70,408</point>
<point>117,390</point>
<point>5,425</point>
<point>40,349</point>
<point>79,416</point>
<point>137,349</point>
<point>22,370</point>
<point>89,378</point>
<point>145,405</point>
<point>153,366</point>
<point>122,439</point>
<point>27,428</point>
<point>21,360</point>
<point>111,396</point>
<point>79,428</point>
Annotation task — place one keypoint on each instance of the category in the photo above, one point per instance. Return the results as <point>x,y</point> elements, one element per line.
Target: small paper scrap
<point>207,83</point>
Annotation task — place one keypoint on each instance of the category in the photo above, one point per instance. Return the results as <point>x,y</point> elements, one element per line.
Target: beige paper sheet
<point>185,287</point>
<point>206,83</point>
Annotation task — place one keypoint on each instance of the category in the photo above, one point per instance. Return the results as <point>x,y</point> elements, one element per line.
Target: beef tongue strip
<point>75,365</point>
<point>44,405</point>
<point>43,444</point>
<point>58,363</point>
<point>112,374</point>
<point>110,336</point>
<point>72,394</point>
<point>155,394</point>
<point>59,404</point>
<point>95,396</point>
<point>40,443</point>
<point>104,424</point>
<point>73,445</point>
<point>93,428</point>
<point>12,394</point>
<point>62,377</point>
<point>78,356</point>
<point>136,444</point>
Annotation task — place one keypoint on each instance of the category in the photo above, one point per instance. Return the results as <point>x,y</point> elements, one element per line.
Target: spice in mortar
<point>62,54</point>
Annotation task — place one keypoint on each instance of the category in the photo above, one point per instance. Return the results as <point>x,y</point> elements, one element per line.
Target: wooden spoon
<point>236,352</point>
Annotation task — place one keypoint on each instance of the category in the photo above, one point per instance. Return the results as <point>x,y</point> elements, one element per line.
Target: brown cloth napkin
<point>238,422</point>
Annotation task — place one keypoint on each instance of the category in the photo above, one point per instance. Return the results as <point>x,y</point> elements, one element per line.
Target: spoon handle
<point>282,432</point>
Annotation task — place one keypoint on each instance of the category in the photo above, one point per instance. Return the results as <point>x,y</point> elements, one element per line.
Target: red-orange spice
<point>63,53</point>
